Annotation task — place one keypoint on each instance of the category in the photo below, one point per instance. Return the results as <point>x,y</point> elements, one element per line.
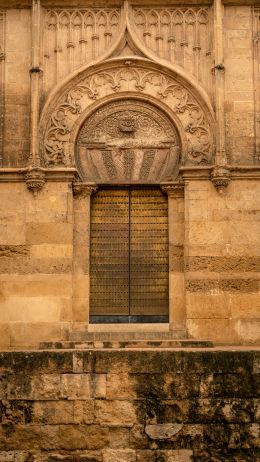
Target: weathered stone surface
<point>49,414</point>
<point>162,431</point>
<point>119,455</point>
<point>115,412</point>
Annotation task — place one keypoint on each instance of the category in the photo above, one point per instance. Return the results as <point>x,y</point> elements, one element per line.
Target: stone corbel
<point>220,177</point>
<point>35,179</point>
<point>84,189</point>
<point>174,189</point>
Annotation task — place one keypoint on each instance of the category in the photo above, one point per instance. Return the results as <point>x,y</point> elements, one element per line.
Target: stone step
<point>131,344</point>
<point>125,336</point>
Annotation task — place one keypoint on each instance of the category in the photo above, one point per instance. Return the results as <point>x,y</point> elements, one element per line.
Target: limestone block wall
<point>17,62</point>
<point>240,81</point>
<point>212,63</point>
<point>35,263</point>
<point>121,406</point>
<point>222,262</point>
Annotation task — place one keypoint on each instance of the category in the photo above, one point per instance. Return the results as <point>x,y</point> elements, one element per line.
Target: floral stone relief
<point>134,80</point>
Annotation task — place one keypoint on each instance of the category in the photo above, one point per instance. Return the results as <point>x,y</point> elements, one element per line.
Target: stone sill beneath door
<point>125,332</point>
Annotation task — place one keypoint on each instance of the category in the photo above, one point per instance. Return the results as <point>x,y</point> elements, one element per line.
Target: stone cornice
<point>9,175</point>
<point>240,172</point>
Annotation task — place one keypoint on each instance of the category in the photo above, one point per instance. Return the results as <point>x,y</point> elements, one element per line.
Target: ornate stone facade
<point>129,94</point>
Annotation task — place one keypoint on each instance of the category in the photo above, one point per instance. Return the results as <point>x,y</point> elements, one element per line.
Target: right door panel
<point>148,252</point>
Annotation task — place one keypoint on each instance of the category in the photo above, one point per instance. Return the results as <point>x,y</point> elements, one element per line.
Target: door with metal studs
<point>129,255</point>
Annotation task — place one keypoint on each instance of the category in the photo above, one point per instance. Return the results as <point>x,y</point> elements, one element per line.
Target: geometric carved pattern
<point>180,35</point>
<point>73,37</point>
<point>133,78</point>
<point>128,142</point>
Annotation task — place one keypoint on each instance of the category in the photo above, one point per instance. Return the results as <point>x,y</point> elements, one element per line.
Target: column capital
<point>174,189</point>
<point>84,189</point>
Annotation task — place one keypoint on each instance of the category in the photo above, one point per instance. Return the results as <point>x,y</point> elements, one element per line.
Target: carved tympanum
<point>128,142</point>
<point>132,78</point>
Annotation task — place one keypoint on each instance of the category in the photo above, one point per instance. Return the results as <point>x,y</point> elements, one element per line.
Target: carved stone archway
<point>62,120</point>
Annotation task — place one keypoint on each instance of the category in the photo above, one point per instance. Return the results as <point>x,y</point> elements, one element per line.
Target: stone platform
<point>153,405</point>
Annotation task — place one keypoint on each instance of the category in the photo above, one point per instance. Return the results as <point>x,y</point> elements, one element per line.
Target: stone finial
<point>84,189</point>
<point>35,179</point>
<point>174,189</point>
<point>220,177</point>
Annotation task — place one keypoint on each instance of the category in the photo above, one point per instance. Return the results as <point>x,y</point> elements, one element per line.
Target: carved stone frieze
<point>133,78</point>
<point>179,35</point>
<point>74,37</point>
<point>128,141</point>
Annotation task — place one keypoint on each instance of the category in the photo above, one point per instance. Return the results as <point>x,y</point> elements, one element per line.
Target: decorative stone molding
<point>35,179</point>
<point>220,177</point>
<point>75,36</point>
<point>174,189</point>
<point>84,189</point>
<point>184,28</point>
<point>61,124</point>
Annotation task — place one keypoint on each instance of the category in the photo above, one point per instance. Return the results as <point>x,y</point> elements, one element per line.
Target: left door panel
<point>109,253</point>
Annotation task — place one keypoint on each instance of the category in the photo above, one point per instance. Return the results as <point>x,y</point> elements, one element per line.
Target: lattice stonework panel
<point>74,37</point>
<point>2,80</point>
<point>180,35</point>
<point>257,78</point>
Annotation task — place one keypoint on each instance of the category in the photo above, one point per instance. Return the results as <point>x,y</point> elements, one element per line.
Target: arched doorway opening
<point>128,148</point>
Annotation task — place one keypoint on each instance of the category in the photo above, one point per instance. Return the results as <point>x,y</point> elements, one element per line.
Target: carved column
<point>81,251</point>
<point>175,192</point>
<point>35,176</point>
<point>219,72</point>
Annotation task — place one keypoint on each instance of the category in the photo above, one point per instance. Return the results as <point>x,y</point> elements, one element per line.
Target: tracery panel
<point>179,35</point>
<point>74,37</point>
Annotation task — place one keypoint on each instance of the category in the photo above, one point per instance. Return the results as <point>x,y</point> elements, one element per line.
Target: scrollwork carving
<point>131,79</point>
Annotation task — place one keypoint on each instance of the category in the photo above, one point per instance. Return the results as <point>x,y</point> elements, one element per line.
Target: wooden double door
<point>129,255</point>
